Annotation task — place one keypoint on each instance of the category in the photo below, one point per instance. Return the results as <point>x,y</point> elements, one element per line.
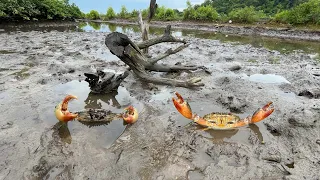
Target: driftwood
<point>103,82</point>
<point>144,25</point>
<point>130,53</point>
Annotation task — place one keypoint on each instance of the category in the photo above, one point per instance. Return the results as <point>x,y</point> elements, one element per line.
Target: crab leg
<point>61,110</point>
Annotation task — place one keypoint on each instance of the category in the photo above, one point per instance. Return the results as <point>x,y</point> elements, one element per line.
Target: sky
<point>102,5</point>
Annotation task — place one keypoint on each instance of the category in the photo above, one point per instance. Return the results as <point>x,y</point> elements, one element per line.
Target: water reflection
<point>268,78</point>
<point>95,100</point>
<point>95,26</point>
<point>61,129</point>
<point>281,45</point>
<point>232,135</point>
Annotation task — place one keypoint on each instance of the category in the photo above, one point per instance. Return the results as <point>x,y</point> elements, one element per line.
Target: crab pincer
<point>182,106</point>
<point>130,115</point>
<point>61,110</point>
<point>262,113</point>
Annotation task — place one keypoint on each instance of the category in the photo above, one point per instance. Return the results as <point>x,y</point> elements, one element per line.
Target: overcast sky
<point>102,5</point>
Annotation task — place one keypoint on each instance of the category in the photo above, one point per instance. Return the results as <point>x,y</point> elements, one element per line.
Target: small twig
<point>168,53</point>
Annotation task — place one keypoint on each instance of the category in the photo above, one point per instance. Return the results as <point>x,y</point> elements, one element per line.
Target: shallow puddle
<point>268,78</point>
<point>164,95</point>
<point>103,135</point>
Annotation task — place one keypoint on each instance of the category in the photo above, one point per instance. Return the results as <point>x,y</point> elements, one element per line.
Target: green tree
<point>110,13</point>
<point>245,15</point>
<point>38,9</point>
<point>206,13</point>
<point>163,13</point>
<point>124,12</point>
<point>134,13</point>
<point>93,14</point>
<point>189,12</point>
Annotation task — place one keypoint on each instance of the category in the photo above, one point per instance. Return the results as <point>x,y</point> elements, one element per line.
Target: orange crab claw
<point>130,115</point>
<point>182,106</point>
<point>262,113</point>
<point>61,110</point>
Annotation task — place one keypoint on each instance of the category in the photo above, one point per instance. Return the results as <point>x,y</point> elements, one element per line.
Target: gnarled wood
<point>102,82</point>
<point>121,46</point>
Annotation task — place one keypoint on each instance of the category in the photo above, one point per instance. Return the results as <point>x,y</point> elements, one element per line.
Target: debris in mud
<point>235,67</point>
<point>272,130</point>
<point>318,141</point>
<point>104,82</point>
<point>7,125</point>
<point>302,118</point>
<point>310,93</point>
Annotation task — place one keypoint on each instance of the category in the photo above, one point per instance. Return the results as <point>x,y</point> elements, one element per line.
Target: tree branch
<point>168,53</point>
<point>166,68</point>
<point>152,9</point>
<point>167,37</point>
<point>194,82</point>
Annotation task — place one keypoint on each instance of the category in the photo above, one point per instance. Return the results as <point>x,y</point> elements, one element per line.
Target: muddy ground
<point>39,68</point>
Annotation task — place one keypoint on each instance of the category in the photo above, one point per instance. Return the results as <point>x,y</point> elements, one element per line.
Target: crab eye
<point>230,122</point>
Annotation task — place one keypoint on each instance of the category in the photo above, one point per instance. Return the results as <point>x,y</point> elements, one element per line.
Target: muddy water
<point>40,66</point>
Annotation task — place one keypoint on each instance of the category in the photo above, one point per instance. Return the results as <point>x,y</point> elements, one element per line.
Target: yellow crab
<point>220,121</point>
<point>130,114</point>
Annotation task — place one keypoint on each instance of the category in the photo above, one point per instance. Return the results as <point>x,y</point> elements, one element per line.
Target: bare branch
<point>168,53</point>
<point>167,37</point>
<point>194,82</point>
<point>152,9</point>
<point>166,68</point>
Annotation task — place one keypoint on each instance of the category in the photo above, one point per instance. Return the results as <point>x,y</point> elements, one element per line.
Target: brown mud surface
<point>39,68</point>
<point>274,31</point>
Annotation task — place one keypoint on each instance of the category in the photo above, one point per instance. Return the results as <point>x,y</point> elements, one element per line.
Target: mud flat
<point>39,68</point>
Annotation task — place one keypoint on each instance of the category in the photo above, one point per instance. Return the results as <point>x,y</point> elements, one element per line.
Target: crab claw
<point>262,113</point>
<point>130,115</point>
<point>182,106</point>
<point>61,110</point>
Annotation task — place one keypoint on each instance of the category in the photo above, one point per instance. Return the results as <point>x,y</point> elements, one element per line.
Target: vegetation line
<point>293,12</point>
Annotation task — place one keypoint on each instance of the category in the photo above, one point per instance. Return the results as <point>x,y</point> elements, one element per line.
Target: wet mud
<point>39,68</point>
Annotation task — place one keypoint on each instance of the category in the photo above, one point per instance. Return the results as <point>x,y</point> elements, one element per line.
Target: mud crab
<point>220,121</point>
<point>130,114</point>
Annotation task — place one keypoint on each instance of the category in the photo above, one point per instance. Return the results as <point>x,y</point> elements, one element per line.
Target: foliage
<point>93,14</point>
<point>203,13</point>
<point>282,16</point>
<point>305,13</point>
<point>163,13</point>
<point>38,9</point>
<point>134,13</point>
<point>245,15</point>
<point>124,12</point>
<point>206,13</point>
<point>145,13</point>
<point>189,12</point>
<point>270,7</point>
<point>110,13</point>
